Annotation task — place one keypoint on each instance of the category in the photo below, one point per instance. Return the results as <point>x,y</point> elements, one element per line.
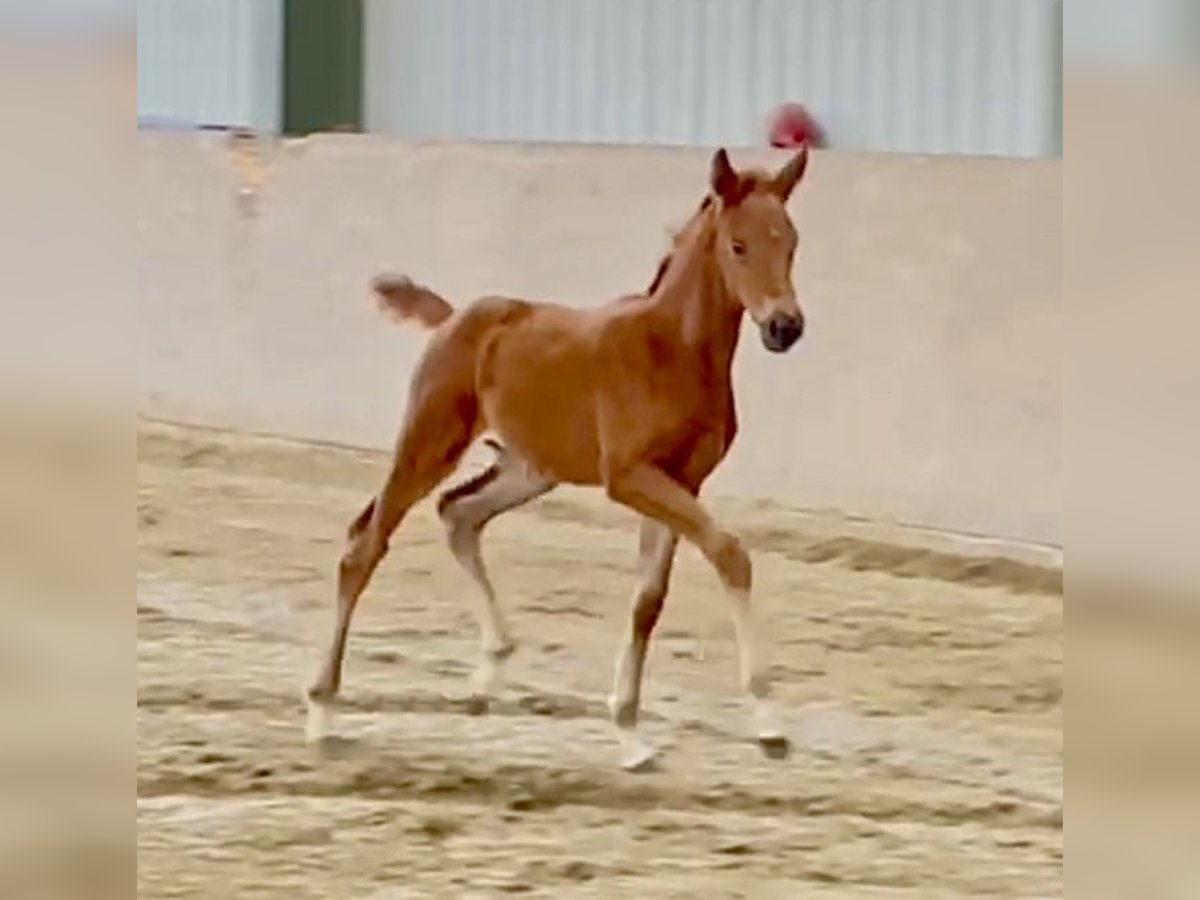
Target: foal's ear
<point>789,176</point>
<point>723,180</point>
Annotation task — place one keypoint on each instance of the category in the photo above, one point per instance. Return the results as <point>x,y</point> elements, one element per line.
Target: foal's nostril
<point>783,331</point>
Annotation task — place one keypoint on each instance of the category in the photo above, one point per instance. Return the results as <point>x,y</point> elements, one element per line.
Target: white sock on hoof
<point>635,752</point>
<point>766,721</point>
<point>321,721</point>
<point>485,678</point>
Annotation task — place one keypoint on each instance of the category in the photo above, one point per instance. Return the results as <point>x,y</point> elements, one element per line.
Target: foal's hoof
<point>476,705</point>
<point>333,746</point>
<point>320,729</point>
<point>775,746</point>
<point>636,755</point>
<point>506,648</point>
<point>771,737</point>
<point>641,764</point>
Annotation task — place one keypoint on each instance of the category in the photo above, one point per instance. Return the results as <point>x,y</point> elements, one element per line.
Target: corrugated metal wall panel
<point>956,76</point>
<point>210,62</point>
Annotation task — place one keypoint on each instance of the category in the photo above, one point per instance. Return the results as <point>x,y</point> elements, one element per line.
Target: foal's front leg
<point>652,493</point>
<point>656,553</point>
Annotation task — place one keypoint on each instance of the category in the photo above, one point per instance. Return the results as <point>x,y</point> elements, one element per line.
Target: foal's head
<point>755,244</point>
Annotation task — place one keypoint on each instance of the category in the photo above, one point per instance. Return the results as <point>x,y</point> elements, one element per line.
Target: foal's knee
<point>731,560</point>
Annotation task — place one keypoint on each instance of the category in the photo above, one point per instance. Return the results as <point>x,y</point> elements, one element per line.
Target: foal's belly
<point>535,391</point>
<point>563,448</point>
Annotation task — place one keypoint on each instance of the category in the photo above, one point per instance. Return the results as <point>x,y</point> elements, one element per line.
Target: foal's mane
<point>676,239</point>
<point>749,182</point>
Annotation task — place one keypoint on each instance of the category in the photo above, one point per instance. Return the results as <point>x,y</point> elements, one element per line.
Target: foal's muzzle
<point>781,330</point>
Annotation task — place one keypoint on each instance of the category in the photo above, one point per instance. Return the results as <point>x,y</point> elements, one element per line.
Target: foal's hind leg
<point>428,451</point>
<point>505,485</point>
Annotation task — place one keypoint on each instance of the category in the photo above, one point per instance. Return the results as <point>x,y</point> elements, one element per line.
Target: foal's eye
<point>739,249</point>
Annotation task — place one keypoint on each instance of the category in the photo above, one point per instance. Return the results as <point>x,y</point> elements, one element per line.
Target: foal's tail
<point>401,299</point>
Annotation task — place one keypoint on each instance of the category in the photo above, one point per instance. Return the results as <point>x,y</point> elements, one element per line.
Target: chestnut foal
<point>633,396</point>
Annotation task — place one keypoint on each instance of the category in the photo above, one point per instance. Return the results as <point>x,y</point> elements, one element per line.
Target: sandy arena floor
<point>926,712</point>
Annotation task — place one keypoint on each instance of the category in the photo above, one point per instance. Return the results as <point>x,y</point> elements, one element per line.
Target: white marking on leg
<point>767,725</point>
<point>743,629</point>
<point>513,484</point>
<point>321,722</point>
<point>634,752</point>
<point>493,630</point>
<point>623,707</point>
<point>766,721</point>
<point>656,549</point>
<point>623,686</point>
<point>486,677</point>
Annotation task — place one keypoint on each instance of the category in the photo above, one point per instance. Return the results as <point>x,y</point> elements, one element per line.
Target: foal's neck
<point>692,291</point>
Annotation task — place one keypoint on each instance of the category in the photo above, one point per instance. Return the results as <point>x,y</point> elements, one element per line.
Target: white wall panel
<point>959,76</point>
<point>210,62</point>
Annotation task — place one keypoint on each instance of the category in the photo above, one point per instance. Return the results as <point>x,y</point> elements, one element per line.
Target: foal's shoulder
<point>625,320</point>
